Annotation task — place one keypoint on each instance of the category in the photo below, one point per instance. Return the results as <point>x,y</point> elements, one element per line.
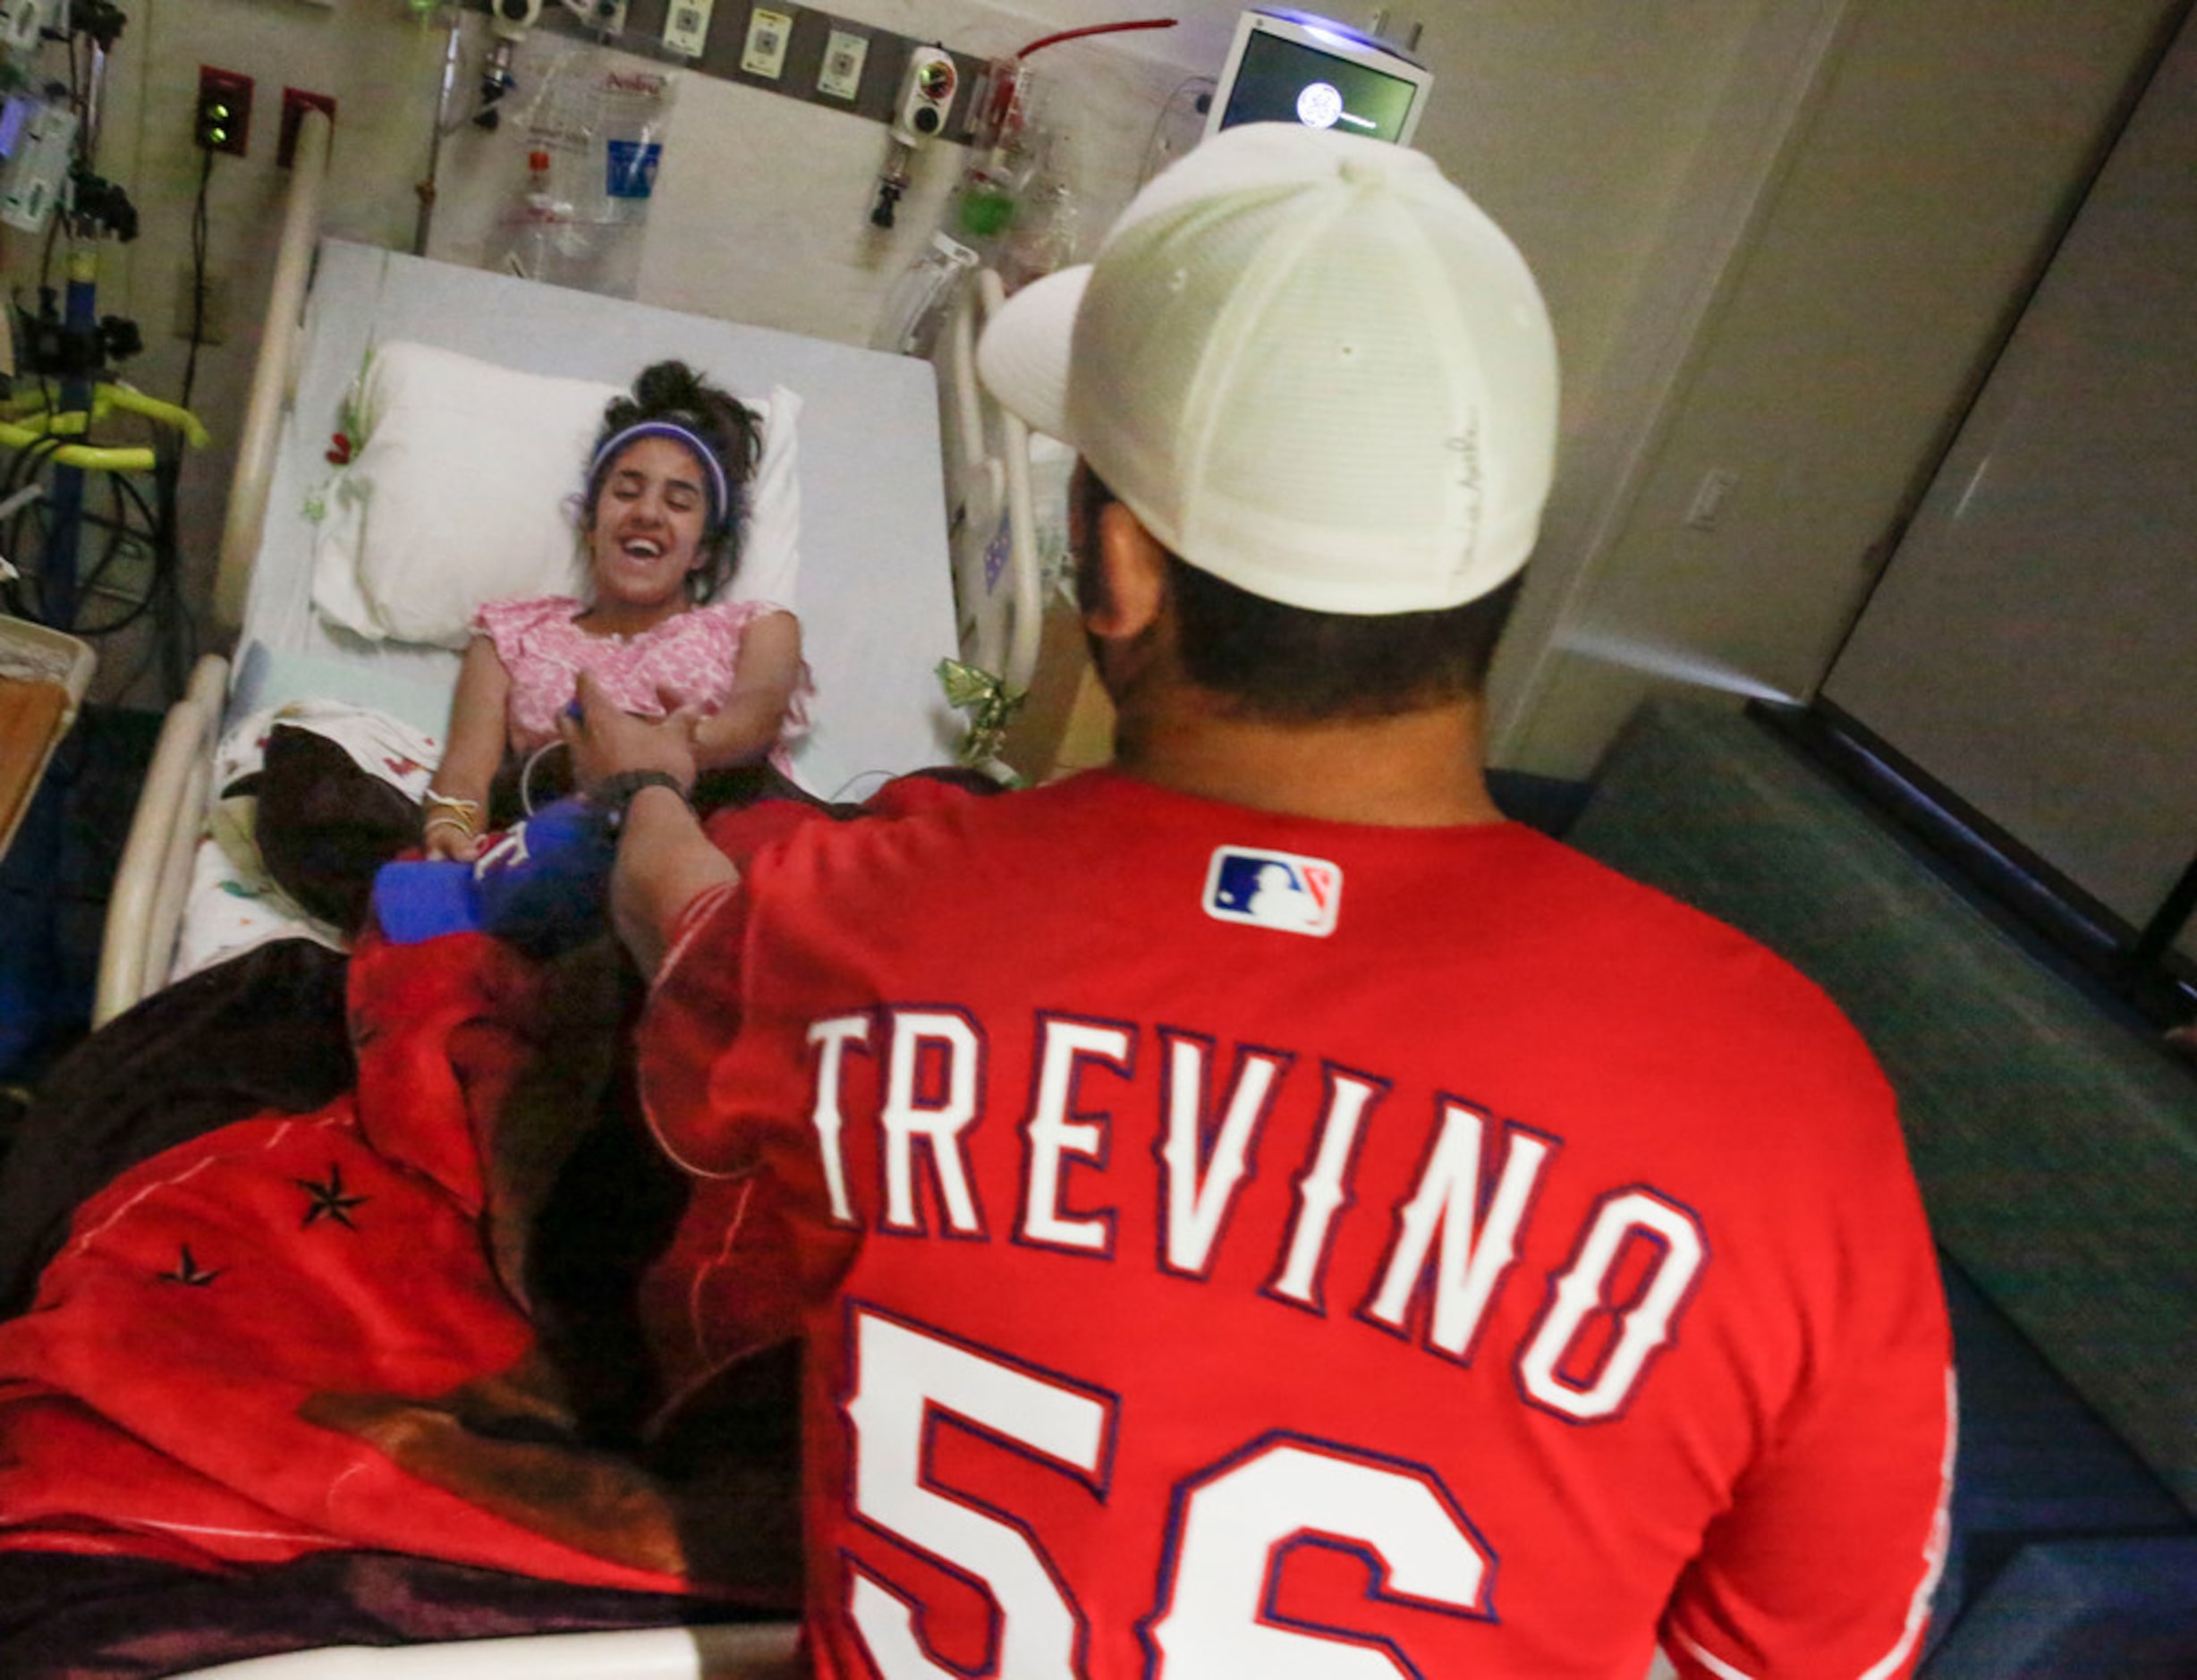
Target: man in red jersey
<point>1252,1211</point>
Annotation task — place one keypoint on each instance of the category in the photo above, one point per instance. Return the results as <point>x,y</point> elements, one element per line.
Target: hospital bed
<point>865,558</point>
<point>874,590</point>
<point>931,523</point>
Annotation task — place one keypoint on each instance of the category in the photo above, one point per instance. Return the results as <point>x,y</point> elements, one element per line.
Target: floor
<point>53,887</point>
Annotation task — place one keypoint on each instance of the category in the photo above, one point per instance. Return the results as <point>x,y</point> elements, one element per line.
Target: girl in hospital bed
<point>660,515</point>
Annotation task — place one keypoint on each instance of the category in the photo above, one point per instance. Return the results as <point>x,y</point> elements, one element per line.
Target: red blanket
<point>289,1336</point>
<point>301,1335</point>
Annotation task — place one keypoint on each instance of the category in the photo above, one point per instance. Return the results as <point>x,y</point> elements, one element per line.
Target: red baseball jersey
<point>1233,1246</point>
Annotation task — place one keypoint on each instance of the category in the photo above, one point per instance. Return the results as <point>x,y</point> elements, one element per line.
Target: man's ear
<point>1133,583</point>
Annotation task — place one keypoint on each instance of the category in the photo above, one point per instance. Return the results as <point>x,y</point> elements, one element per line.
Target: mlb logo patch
<point>1273,889</point>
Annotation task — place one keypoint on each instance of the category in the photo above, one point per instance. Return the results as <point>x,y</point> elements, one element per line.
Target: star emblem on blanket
<point>328,1200</point>
<point>188,1271</point>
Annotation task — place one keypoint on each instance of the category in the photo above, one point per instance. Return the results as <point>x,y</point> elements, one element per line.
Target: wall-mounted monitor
<point>1292,67</point>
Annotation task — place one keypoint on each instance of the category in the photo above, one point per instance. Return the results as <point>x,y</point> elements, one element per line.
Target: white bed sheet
<point>876,598</point>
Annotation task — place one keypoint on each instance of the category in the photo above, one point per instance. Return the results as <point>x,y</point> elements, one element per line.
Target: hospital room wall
<point>762,204</point>
<point>1656,163</point>
<point>761,214</point>
<point>1882,229</point>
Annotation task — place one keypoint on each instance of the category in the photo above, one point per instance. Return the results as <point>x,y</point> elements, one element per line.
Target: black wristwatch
<point>614,794</point>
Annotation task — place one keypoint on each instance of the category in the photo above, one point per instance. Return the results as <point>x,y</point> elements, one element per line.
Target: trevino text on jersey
<point>1450,1238</point>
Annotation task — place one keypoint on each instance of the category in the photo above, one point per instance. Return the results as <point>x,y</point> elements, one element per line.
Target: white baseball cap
<point>1310,365</point>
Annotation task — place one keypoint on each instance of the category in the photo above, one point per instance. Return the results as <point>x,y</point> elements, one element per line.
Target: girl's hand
<point>445,841</point>
<point>686,720</point>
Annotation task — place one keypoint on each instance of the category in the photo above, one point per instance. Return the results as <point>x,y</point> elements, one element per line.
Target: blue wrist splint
<point>542,885</point>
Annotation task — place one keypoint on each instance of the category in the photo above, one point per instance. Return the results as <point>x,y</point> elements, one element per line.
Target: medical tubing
<point>1096,28</point>
<point>114,529</point>
<point>199,238</point>
<point>178,646</point>
<point>526,774</point>
<point>27,467</point>
<point>117,525</point>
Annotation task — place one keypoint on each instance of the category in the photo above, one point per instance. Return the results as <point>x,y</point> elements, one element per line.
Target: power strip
<point>827,60</point>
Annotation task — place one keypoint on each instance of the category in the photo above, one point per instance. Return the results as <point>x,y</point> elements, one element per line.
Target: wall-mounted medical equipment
<point>38,137</point>
<point>23,24</point>
<point>605,17</point>
<point>686,26</point>
<point>1288,66</point>
<point>919,117</point>
<point>1013,209</point>
<point>508,23</point>
<point>926,94</point>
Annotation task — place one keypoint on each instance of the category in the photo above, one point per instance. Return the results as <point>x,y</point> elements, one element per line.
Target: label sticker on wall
<point>631,172</point>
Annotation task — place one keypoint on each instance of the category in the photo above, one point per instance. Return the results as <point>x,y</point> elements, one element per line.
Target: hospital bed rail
<point>145,906</point>
<point>273,379</point>
<point>994,527</point>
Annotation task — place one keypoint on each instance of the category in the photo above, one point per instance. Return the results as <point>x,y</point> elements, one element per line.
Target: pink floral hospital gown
<point>691,655</point>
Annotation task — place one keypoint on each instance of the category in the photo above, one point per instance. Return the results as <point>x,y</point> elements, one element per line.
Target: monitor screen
<point>1289,68</point>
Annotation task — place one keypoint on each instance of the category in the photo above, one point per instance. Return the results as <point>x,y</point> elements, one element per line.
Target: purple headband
<point>720,492</point>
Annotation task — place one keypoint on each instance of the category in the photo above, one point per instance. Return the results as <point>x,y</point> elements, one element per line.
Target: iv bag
<point>603,127</point>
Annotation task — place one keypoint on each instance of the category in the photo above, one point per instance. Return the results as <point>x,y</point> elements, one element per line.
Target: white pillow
<point>460,494</point>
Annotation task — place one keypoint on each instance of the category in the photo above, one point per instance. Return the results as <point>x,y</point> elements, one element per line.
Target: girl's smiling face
<point>645,533</point>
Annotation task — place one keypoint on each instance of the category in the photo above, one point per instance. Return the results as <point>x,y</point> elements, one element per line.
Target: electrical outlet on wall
<point>221,120</point>
<point>840,74</point>
<point>1710,498</point>
<point>128,570</point>
<point>608,16</point>
<point>768,32</point>
<point>686,26</point>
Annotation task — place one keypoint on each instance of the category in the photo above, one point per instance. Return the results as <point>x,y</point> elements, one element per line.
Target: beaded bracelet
<point>467,808</point>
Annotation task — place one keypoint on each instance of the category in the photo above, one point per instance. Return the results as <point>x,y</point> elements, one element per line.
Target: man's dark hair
<point>1286,665</point>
